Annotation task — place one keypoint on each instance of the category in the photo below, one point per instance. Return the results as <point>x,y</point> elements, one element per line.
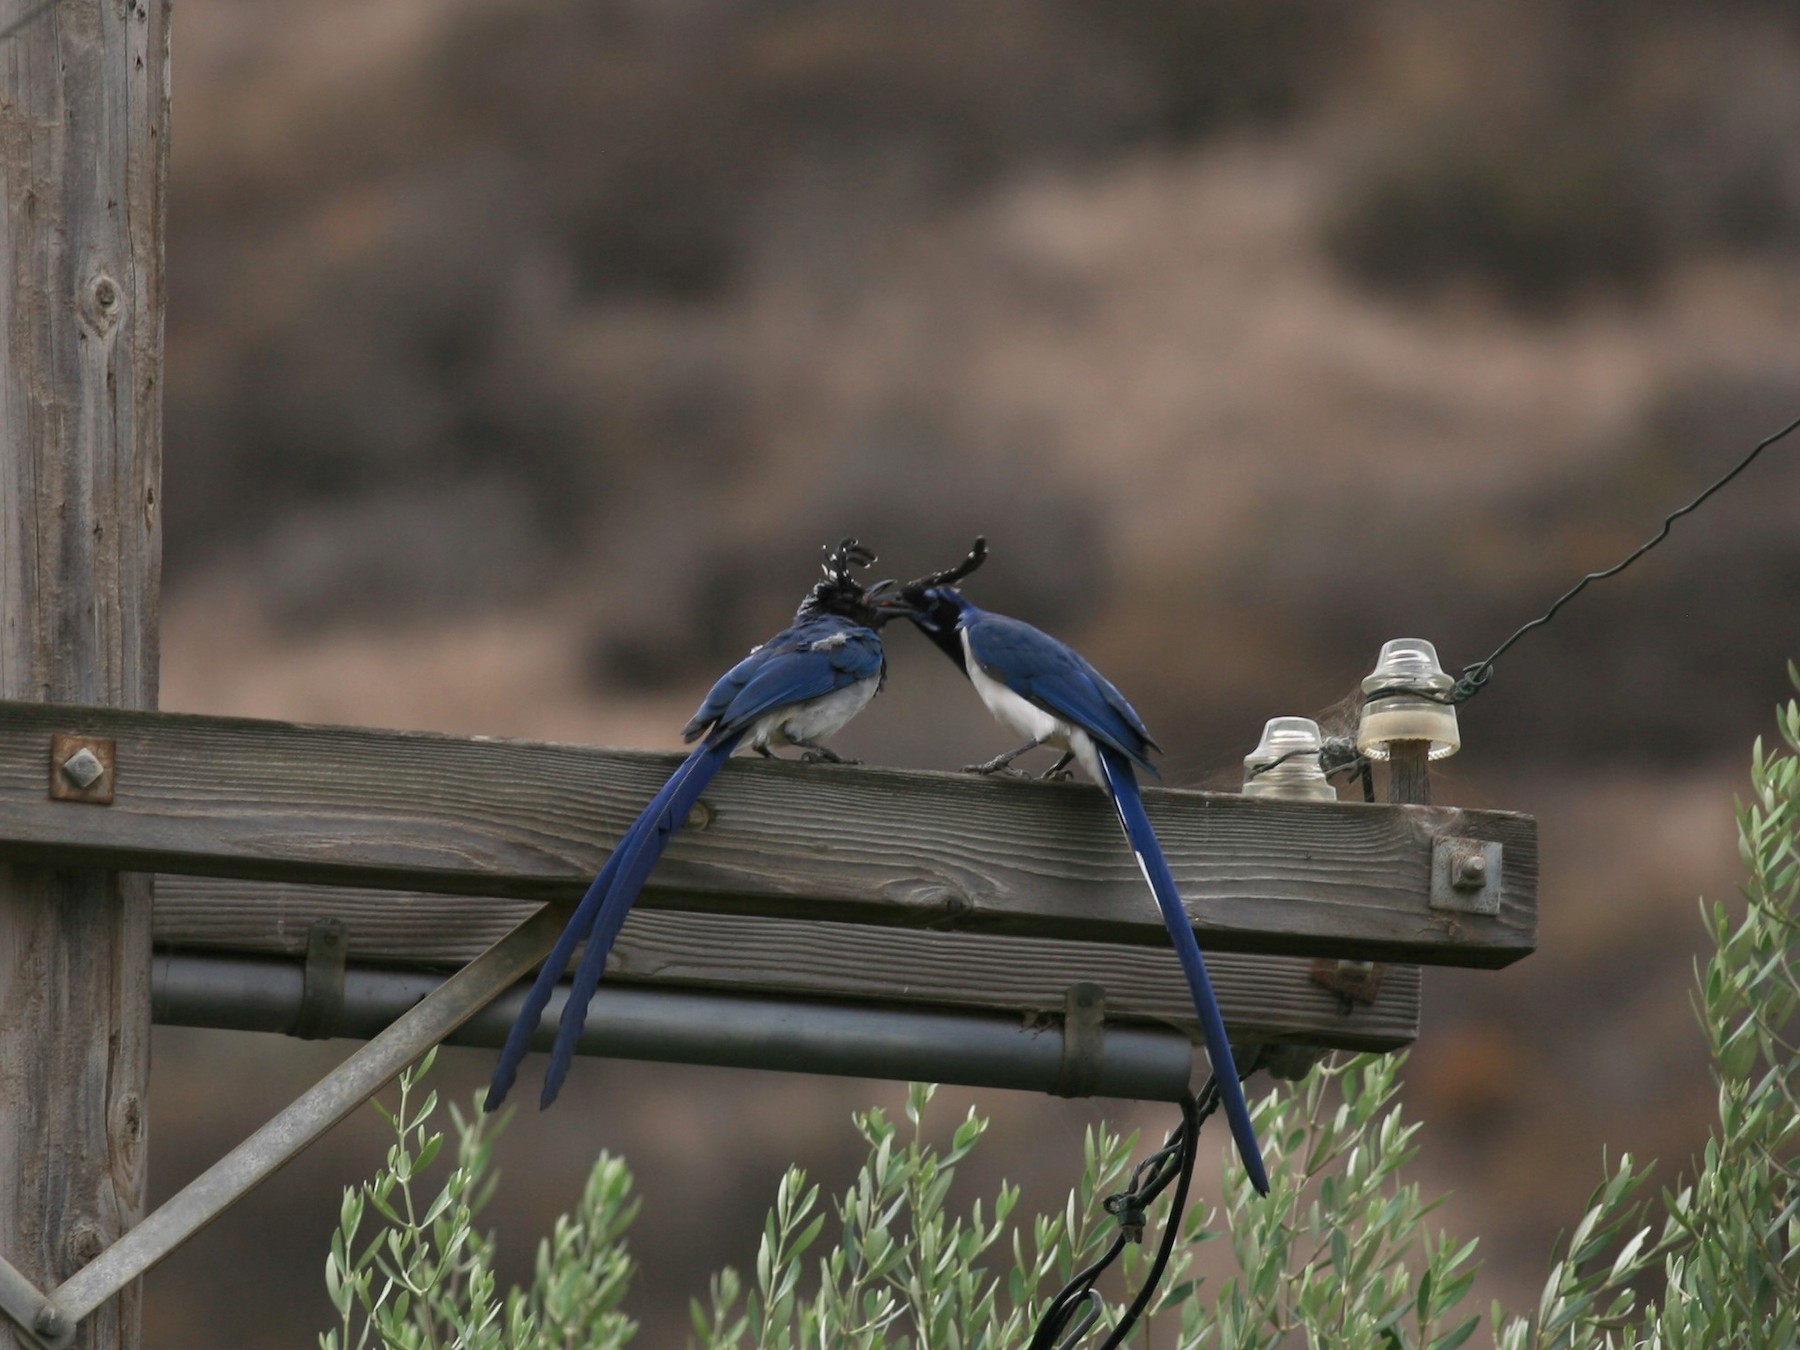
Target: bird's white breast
<point>1026,720</point>
<point>816,719</point>
<point>1019,716</point>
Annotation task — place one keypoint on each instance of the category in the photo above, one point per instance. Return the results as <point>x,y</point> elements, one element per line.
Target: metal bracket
<point>322,994</point>
<point>1084,1040</point>
<point>38,1317</point>
<point>1465,875</point>
<point>361,1076</point>
<point>81,769</point>
<point>1353,981</point>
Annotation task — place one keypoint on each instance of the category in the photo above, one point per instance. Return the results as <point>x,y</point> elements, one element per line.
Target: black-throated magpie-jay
<point>799,687</point>
<point>1046,691</point>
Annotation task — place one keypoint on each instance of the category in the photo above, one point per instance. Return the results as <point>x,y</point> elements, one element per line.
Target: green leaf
<point>429,1150</point>
<point>1451,1339</point>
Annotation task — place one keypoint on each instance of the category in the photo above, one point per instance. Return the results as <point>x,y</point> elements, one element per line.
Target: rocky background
<point>522,352</point>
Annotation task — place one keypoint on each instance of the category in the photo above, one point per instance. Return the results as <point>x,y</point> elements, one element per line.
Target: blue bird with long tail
<point>1045,691</point>
<point>795,690</point>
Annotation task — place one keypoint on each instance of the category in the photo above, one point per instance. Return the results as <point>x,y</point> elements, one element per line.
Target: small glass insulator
<point>1286,762</point>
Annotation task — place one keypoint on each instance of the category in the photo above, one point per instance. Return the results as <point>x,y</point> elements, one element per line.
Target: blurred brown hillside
<point>522,352</point>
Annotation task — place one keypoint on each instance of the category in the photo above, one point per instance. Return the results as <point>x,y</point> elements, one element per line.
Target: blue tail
<point>518,1040</point>
<point>638,851</point>
<point>1123,787</point>
<point>598,918</point>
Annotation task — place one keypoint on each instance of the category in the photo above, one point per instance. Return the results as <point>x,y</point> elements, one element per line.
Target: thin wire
<point>1475,678</point>
<point>1337,754</point>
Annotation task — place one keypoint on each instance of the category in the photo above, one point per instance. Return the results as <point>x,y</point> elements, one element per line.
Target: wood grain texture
<point>83,144</point>
<point>1409,772</point>
<point>411,811</point>
<point>1261,996</point>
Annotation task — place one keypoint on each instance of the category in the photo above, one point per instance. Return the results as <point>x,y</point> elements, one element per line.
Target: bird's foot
<point>820,755</point>
<point>994,770</point>
<point>1055,775</point>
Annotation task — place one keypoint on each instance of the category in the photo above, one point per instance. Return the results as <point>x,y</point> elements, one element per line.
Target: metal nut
<point>82,768</point>
<point>1466,875</point>
<point>50,1324</point>
<point>1471,873</point>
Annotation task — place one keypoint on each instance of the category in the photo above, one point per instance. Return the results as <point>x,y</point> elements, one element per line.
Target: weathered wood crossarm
<point>455,815</point>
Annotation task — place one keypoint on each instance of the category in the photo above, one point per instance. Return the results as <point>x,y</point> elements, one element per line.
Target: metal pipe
<point>688,1026</point>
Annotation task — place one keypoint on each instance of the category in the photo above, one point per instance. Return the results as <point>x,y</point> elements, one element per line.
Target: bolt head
<point>1470,873</point>
<point>83,768</point>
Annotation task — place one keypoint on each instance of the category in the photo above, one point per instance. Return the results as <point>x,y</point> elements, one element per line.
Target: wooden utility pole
<point>84,150</point>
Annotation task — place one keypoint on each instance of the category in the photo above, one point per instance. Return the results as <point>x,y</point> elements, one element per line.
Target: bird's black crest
<point>840,592</point>
<point>839,560</point>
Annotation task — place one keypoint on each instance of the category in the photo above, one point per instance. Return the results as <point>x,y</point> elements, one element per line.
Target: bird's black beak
<point>888,597</point>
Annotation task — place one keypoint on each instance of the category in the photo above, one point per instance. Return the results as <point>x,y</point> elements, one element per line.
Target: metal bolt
<point>83,768</point>
<point>1470,873</point>
<point>49,1323</point>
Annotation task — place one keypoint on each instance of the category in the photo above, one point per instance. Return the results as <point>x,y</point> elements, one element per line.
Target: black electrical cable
<point>1190,1129</point>
<point>1172,1163</point>
<point>1129,1207</point>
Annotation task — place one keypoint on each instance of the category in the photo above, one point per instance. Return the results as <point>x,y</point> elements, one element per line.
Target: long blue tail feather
<point>638,853</point>
<point>524,1027</point>
<point>584,924</point>
<point>1122,786</point>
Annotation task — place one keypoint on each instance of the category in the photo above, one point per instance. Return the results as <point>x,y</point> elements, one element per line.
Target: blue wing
<point>804,662</point>
<point>1058,679</point>
<point>1122,786</point>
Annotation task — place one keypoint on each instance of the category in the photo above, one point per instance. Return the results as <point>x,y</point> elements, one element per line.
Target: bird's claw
<point>991,770</point>
<point>1056,775</point>
<point>826,757</point>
